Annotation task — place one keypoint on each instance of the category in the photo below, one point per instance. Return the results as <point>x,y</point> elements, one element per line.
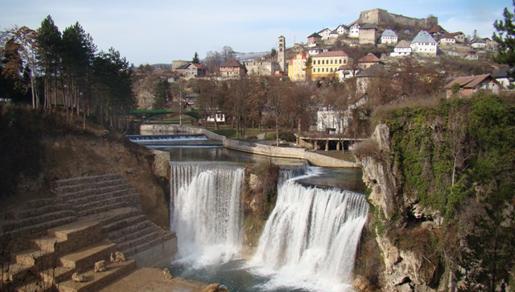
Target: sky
<point>152,31</point>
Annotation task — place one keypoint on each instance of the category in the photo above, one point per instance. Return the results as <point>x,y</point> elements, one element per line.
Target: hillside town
<point>378,45</point>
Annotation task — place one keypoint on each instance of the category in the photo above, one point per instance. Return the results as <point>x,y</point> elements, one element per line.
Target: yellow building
<point>297,67</point>
<point>326,64</point>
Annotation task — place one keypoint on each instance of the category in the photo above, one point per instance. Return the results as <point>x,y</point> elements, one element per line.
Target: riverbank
<point>314,158</point>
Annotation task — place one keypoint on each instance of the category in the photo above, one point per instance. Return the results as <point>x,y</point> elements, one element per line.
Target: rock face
<point>405,269</point>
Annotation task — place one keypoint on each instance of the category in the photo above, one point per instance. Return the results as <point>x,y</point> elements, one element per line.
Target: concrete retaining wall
<point>249,147</point>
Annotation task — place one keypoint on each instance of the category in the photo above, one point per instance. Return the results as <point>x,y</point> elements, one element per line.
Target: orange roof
<point>469,81</point>
<point>369,58</point>
<point>331,54</point>
<point>231,63</point>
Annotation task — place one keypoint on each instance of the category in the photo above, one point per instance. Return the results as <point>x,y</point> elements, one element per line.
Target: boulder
<point>167,274</point>
<point>79,278</point>
<point>117,257</point>
<point>215,287</point>
<point>100,266</point>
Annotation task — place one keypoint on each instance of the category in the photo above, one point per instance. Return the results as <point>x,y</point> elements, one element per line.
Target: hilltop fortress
<point>382,17</point>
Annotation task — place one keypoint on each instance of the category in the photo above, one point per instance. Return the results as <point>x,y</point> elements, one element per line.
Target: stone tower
<point>281,53</point>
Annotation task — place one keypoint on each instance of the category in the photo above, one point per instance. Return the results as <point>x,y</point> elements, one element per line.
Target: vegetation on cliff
<point>453,166</point>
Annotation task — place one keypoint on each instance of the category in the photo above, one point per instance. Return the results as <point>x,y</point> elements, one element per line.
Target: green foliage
<point>505,38</point>
<point>161,92</point>
<point>426,147</point>
<point>195,59</point>
<point>229,133</point>
<point>193,113</point>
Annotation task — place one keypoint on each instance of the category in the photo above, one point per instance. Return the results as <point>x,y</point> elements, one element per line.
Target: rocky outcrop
<point>406,267</point>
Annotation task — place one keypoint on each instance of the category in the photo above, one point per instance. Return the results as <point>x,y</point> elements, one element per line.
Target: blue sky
<point>153,31</point>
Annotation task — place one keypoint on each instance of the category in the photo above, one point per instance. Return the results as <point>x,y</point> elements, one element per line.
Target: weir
<point>311,237</point>
<point>206,210</point>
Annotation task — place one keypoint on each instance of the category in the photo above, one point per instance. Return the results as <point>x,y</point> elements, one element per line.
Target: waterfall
<point>310,239</point>
<point>206,210</point>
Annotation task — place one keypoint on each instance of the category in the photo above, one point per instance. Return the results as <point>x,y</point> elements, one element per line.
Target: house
<point>324,33</point>
<point>218,117</point>
<point>354,30</point>
<point>313,39</point>
<point>478,43</point>
<point>342,29</point>
<point>232,69</point>
<point>389,37</point>
<point>403,48</point>
<point>325,64</point>
<point>365,77</point>
<point>368,61</point>
<point>261,67</point>
<point>436,31</point>
<point>471,56</point>
<point>459,37</point>
<point>333,121</point>
<point>465,86</point>
<point>334,34</point>
<point>367,34</point>
<point>316,50</point>
<point>346,71</point>
<point>297,67</point>
<point>447,40</point>
<point>424,44</point>
<point>191,70</point>
<point>502,76</point>
<point>178,63</point>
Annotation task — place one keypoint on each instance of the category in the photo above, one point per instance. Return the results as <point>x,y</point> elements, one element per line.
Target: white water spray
<point>207,213</point>
<point>310,238</point>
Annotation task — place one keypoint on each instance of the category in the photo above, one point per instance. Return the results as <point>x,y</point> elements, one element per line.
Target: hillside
<point>441,182</point>
<point>38,148</point>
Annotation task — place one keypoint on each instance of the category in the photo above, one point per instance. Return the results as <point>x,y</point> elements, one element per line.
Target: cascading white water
<point>207,214</point>
<point>311,237</point>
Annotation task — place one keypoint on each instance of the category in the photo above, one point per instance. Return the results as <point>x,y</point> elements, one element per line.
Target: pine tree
<point>195,59</point>
<point>505,38</point>
<point>49,45</point>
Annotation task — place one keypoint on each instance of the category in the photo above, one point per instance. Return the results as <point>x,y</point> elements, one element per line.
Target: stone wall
<point>254,148</point>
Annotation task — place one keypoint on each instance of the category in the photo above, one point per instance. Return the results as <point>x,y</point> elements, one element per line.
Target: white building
<point>334,121</point>
<point>354,31</point>
<point>447,40</point>
<point>342,29</point>
<point>478,44</point>
<point>345,72</point>
<point>324,33</point>
<point>389,37</point>
<point>334,34</point>
<point>424,44</point>
<point>219,117</point>
<point>403,48</point>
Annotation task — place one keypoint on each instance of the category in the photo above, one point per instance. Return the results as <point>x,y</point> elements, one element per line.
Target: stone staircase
<point>46,240</point>
<point>54,257</point>
<point>110,200</point>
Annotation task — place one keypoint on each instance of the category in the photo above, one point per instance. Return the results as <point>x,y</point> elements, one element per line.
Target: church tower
<point>281,53</point>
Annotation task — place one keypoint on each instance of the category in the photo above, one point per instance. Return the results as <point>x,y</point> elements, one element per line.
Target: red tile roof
<point>369,58</point>
<point>469,81</point>
<point>231,63</point>
<point>331,54</point>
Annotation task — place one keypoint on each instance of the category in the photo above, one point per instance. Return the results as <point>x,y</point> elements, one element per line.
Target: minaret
<point>281,53</point>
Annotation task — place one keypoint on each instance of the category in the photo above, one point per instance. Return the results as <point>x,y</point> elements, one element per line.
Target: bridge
<point>326,142</point>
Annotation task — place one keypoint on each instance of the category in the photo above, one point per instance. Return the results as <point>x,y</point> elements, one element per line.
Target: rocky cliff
<point>440,183</point>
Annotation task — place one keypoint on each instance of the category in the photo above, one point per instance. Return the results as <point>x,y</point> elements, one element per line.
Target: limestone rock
<point>161,164</point>
<point>361,284</point>
<point>167,274</point>
<point>76,277</point>
<point>117,257</point>
<point>100,266</point>
<point>253,181</point>
<point>215,287</point>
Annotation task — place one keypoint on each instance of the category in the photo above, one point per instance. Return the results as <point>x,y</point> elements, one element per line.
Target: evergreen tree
<point>49,45</point>
<point>195,59</point>
<point>505,38</point>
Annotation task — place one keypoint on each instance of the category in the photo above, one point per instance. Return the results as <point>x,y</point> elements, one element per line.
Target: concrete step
<point>132,250</point>
<point>36,257</point>
<point>97,281</point>
<point>35,203</point>
<point>77,230</point>
<point>154,235</point>
<point>111,204</point>
<point>34,230</point>
<point>93,194</point>
<point>113,228</point>
<point>99,197</point>
<point>20,223</point>
<point>57,205</point>
<point>86,179</point>
<point>130,231</point>
<point>124,217</point>
<point>90,185</point>
<point>15,273</point>
<point>35,285</point>
<point>84,259</point>
<point>56,275</point>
